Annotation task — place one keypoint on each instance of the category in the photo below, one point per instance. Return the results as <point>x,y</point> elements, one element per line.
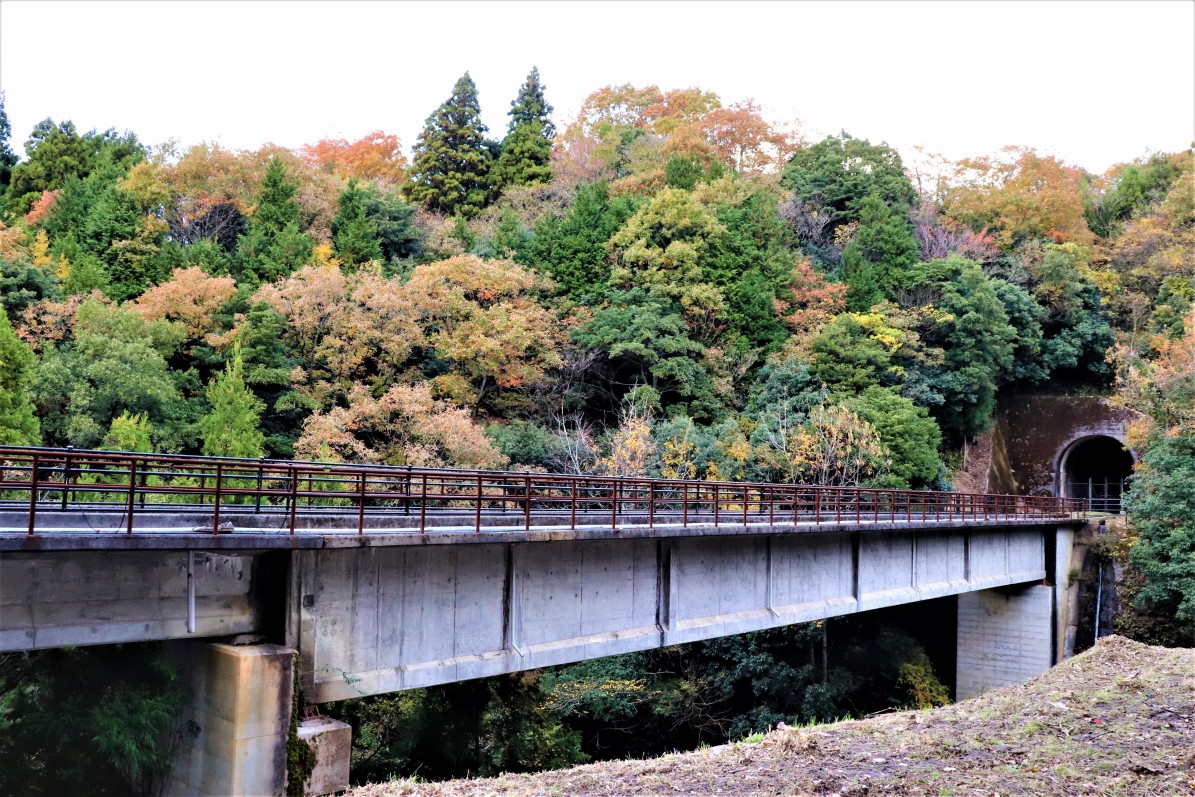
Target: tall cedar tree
<point>452,163</point>
<point>18,426</point>
<point>527,148</point>
<point>273,246</point>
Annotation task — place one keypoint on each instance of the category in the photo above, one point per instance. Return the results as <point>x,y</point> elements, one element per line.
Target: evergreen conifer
<point>527,148</point>
<point>232,428</point>
<point>273,246</point>
<point>452,164</point>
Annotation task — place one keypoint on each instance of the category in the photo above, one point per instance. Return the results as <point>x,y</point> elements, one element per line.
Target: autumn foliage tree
<point>1019,196</point>
<point>376,157</point>
<point>481,316</point>
<point>406,425</point>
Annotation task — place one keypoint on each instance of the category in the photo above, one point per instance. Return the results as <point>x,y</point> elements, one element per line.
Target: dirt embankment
<point>1116,720</point>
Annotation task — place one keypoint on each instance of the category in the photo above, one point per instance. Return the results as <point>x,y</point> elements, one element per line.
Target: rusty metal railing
<point>42,481</point>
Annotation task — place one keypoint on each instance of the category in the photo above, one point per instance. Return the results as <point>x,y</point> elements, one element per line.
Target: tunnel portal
<point>1096,469</point>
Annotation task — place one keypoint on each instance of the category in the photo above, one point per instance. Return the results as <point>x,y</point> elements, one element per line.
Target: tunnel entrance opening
<point>1096,469</point>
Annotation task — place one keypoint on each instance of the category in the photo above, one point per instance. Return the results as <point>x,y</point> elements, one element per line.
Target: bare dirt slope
<point>1116,720</point>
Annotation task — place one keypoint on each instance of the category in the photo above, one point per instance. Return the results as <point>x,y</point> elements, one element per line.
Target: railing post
<point>572,515</point>
<point>527,505</point>
<point>717,506</point>
<point>219,483</point>
<point>423,506</point>
<point>261,466</point>
<point>613,504</point>
<point>685,505</point>
<point>361,504</point>
<point>66,474</point>
<point>32,494</point>
<point>294,497</point>
<point>651,505</point>
<point>477,511</point>
<point>132,494</point>
<point>746,502</point>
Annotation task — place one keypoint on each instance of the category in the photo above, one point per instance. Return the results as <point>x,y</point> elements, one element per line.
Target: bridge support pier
<point>1005,636</point>
<point>239,716</point>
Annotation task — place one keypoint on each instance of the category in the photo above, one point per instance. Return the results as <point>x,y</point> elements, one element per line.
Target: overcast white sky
<point>1095,83</point>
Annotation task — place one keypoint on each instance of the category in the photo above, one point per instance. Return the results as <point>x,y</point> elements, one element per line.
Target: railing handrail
<point>276,485</point>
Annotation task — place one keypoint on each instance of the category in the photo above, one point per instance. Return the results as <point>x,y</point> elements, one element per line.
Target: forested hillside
<point>666,285</point>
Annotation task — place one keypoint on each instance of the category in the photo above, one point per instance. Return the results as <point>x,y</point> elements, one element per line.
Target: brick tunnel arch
<point>1095,467</point>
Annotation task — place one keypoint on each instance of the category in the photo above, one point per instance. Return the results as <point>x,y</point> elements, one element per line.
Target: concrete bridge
<point>372,579</point>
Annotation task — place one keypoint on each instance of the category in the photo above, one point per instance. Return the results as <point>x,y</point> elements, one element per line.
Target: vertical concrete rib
<point>769,593</point>
<point>663,589</point>
<point>510,600</point>
<point>856,581</point>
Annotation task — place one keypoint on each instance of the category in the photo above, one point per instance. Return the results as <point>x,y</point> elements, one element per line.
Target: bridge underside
<point>375,620</point>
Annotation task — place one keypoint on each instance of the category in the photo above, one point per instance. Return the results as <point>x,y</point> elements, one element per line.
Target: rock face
<point>1035,436</point>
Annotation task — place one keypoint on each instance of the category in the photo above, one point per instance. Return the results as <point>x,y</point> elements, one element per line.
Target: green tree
<point>646,342</point>
<point>18,425</point>
<point>754,268</point>
<point>123,733</point>
<point>572,250</point>
<point>129,433</point>
<point>273,246</point>
<point>1161,507</point>
<point>22,284</point>
<point>233,426</point>
<point>8,158</point>
<point>854,352</point>
<point>398,236</point>
<point>527,149</point>
<point>354,231</point>
<point>115,363</point>
<point>1076,333</point>
<point>906,430</point>
<point>451,168</point>
<point>879,255</point>
<point>55,152</point>
<point>840,172</point>
<point>964,316</point>
<point>267,369</point>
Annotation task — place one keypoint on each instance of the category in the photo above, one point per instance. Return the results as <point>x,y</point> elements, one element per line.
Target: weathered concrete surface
<point>1032,434</point>
<point>375,620</point>
<point>56,599</point>
<point>1004,637</point>
<point>240,709</point>
<point>332,743</point>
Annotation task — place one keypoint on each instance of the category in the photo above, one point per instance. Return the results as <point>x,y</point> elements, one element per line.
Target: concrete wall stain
<point>1032,433</point>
